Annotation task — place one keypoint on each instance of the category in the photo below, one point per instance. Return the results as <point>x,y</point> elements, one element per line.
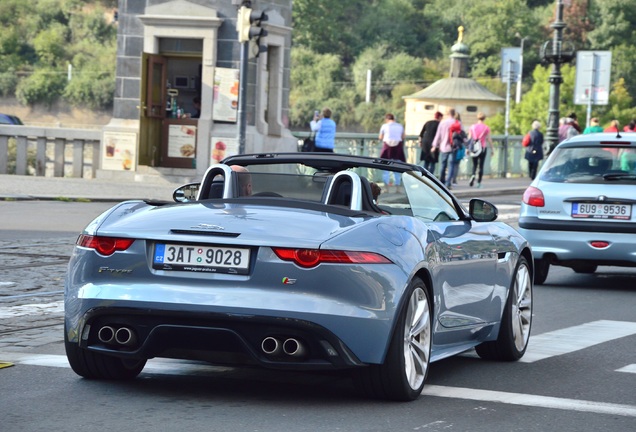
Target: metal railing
<point>505,161</point>
<point>64,152</point>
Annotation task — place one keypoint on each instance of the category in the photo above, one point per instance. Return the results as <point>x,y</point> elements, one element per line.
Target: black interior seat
<point>341,192</point>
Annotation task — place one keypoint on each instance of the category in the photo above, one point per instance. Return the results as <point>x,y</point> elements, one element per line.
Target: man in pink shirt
<point>443,143</point>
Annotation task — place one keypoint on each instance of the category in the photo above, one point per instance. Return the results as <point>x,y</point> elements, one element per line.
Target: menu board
<point>119,151</point>
<point>222,148</point>
<point>226,92</point>
<point>182,141</point>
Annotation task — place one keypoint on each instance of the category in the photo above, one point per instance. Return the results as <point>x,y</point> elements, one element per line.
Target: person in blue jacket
<point>325,129</point>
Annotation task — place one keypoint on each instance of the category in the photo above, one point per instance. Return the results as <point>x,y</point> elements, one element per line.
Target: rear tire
<point>402,376</point>
<point>541,269</point>
<point>516,321</point>
<point>93,365</point>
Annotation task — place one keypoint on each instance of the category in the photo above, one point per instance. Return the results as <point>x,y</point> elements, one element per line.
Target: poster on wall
<point>119,151</point>
<point>182,141</point>
<point>222,148</point>
<point>226,90</point>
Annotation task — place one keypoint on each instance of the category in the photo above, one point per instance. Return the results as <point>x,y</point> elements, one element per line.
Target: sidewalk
<point>18,187</point>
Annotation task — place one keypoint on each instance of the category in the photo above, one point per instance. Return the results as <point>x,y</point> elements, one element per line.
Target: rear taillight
<point>104,245</point>
<point>533,197</point>
<point>312,257</point>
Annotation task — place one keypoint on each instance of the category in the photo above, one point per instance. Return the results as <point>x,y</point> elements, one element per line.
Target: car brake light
<point>533,197</point>
<point>312,257</point>
<point>104,245</point>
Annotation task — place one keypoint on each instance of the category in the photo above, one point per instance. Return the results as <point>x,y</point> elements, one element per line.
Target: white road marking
<point>575,338</point>
<point>179,367</point>
<point>530,400</point>
<point>32,309</point>
<point>629,369</point>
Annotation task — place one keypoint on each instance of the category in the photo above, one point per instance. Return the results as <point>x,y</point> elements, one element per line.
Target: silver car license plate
<point>601,211</point>
<point>185,257</point>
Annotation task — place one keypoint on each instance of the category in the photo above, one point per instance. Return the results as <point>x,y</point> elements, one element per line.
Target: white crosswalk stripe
<point>575,338</point>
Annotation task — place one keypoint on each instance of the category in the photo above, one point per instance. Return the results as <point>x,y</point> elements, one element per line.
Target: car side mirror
<point>482,211</point>
<point>186,193</point>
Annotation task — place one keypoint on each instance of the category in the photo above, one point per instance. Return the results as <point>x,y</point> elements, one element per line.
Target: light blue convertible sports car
<point>300,261</point>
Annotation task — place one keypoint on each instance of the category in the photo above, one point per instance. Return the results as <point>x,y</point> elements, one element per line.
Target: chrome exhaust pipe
<point>106,334</point>
<point>125,336</point>
<point>293,347</point>
<point>271,346</point>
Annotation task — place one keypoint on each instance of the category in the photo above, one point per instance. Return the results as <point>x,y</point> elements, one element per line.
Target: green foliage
<point>8,82</point>
<point>41,37</point>
<point>45,85</point>
<point>50,44</point>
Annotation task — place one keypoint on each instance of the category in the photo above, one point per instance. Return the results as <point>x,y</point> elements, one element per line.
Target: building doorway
<point>171,98</point>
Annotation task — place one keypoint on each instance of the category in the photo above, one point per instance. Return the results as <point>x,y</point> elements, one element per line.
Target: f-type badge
<point>203,226</point>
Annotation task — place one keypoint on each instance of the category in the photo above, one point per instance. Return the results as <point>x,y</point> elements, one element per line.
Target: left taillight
<point>312,257</point>
<point>534,197</point>
<point>104,245</point>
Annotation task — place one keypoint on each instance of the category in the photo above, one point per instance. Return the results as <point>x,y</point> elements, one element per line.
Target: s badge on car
<point>288,281</point>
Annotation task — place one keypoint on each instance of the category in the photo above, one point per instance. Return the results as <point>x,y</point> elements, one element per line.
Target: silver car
<point>292,261</point>
<point>579,211</point>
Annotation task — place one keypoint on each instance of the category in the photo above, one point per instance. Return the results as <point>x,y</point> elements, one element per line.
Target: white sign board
<point>510,62</point>
<point>593,69</point>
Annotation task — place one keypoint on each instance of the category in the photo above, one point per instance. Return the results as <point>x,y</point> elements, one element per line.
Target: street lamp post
<point>555,53</point>
<point>518,96</point>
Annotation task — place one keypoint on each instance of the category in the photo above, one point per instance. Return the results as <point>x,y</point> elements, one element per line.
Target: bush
<point>45,85</point>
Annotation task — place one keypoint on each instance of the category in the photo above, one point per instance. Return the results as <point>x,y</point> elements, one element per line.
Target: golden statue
<point>460,29</point>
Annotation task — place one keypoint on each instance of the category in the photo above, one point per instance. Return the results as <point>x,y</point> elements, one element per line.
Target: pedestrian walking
<point>567,129</point>
<point>594,127</point>
<point>480,131</point>
<point>458,138</point>
<point>325,129</point>
<point>630,127</point>
<point>442,142</point>
<point>427,157</point>
<point>613,127</point>
<point>392,138</point>
<point>534,149</point>
<point>575,122</point>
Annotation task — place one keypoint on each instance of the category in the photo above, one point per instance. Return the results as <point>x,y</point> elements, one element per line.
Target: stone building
<point>467,96</point>
<point>177,87</point>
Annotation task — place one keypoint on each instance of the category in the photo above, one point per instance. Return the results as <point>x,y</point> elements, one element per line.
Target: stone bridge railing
<point>51,152</point>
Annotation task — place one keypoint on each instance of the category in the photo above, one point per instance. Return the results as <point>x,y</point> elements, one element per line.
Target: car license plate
<point>197,258</point>
<point>601,211</point>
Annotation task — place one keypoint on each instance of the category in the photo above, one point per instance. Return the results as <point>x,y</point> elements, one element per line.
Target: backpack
<point>459,149</point>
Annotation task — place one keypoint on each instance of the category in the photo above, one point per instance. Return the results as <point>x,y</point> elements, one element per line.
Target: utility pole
<point>553,52</point>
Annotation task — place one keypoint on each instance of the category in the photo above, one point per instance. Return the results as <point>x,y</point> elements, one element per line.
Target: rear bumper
<point>217,338</point>
<point>562,241</point>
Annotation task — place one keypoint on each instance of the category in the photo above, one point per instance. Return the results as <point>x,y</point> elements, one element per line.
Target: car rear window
<point>590,165</point>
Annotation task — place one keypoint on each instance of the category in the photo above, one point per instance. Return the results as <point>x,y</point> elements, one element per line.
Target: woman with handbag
<point>325,129</point>
<point>479,132</point>
<point>392,138</point>
<point>534,149</point>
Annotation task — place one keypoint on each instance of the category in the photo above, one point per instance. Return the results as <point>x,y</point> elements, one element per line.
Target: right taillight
<point>533,197</point>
